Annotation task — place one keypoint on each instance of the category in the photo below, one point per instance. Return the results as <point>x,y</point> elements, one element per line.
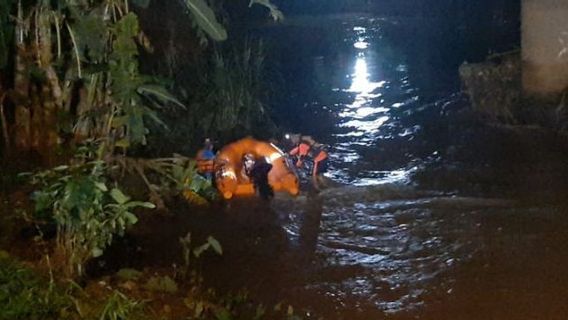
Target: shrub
<point>86,212</point>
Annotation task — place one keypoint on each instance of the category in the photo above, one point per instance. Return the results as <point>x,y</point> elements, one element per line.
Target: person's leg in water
<point>310,225</point>
<point>265,190</point>
<point>260,179</point>
<point>320,167</point>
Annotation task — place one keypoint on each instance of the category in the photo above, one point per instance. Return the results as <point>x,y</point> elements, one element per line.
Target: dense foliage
<point>72,76</point>
<point>72,91</point>
<point>87,211</point>
<point>25,295</point>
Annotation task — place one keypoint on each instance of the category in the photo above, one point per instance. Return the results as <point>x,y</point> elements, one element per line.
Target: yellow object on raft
<point>232,180</point>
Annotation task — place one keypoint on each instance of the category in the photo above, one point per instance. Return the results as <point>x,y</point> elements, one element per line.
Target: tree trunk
<point>36,106</point>
<point>22,115</point>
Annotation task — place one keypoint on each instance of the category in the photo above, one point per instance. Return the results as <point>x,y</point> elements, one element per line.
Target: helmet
<point>292,137</point>
<point>207,143</point>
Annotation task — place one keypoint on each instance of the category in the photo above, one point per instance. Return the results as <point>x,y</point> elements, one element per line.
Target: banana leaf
<point>160,93</point>
<point>205,19</point>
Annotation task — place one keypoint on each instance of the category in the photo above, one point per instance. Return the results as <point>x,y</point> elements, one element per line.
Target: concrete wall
<point>545,46</point>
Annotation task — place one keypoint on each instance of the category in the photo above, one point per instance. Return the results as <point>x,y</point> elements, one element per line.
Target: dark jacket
<point>259,176</point>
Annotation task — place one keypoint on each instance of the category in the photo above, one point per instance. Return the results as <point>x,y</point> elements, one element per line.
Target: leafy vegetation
<point>85,203</point>
<point>190,254</point>
<point>84,82</point>
<point>24,296</point>
<point>167,177</point>
<point>230,101</point>
<point>205,18</point>
<point>237,306</point>
<point>120,307</point>
<point>237,87</point>
<point>76,75</point>
<point>87,213</point>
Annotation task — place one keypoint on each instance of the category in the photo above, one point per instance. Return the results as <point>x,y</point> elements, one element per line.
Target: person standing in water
<point>257,170</point>
<point>304,147</point>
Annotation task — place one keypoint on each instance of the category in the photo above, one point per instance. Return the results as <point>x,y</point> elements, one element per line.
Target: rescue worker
<point>257,170</point>
<point>306,147</point>
<point>206,160</point>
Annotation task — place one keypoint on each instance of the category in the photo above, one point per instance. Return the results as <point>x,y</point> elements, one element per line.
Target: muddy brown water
<point>433,214</point>
<point>377,252</point>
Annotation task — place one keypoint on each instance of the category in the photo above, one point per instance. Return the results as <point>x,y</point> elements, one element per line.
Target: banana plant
<point>206,21</point>
<point>88,214</point>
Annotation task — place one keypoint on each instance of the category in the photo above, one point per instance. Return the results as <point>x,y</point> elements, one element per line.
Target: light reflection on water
<point>400,249</point>
<point>362,112</point>
<point>386,246</point>
<point>384,177</point>
<point>362,121</point>
<point>366,125</point>
<point>361,83</point>
<point>361,44</point>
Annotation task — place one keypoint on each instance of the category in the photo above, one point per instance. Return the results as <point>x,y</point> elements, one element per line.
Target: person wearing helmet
<point>257,170</point>
<point>306,146</point>
<point>205,160</point>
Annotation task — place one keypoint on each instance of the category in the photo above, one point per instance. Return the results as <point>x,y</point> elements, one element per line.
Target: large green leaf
<point>132,219</point>
<point>134,204</point>
<point>136,128</point>
<point>159,93</point>
<point>215,245</point>
<point>91,36</point>
<point>199,250</point>
<point>205,19</point>
<point>118,196</point>
<point>96,252</point>
<point>154,116</point>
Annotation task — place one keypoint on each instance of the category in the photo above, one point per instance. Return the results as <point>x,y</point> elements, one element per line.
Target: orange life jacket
<point>301,150</point>
<point>306,150</point>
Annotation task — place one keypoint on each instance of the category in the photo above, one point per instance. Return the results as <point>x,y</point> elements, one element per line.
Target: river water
<point>432,215</point>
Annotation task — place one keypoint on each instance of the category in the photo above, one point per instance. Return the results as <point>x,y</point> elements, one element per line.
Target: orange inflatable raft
<point>232,180</point>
